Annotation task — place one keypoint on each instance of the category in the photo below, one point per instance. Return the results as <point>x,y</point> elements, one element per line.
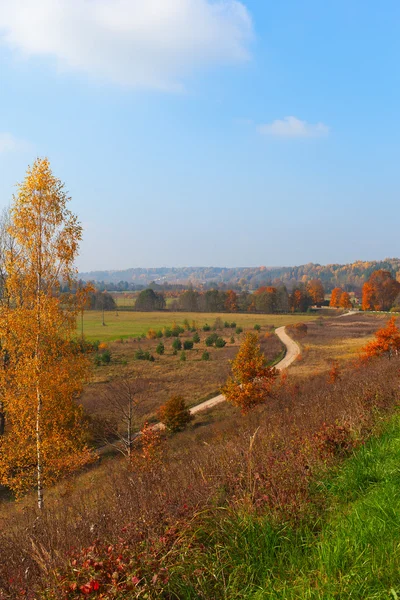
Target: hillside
<point>351,275</point>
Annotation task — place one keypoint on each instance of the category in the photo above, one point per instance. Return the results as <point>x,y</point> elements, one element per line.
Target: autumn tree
<point>147,449</point>
<point>299,300</point>
<point>380,291</point>
<point>335,297</point>
<point>252,380</point>
<point>316,291</point>
<point>344,301</point>
<point>386,342</point>
<point>45,434</point>
<point>174,414</point>
<point>6,246</point>
<point>231,302</point>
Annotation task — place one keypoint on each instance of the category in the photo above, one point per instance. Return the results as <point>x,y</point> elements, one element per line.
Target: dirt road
<point>292,352</point>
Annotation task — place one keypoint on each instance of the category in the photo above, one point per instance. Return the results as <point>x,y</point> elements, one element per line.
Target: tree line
<point>266,299</point>
<point>350,277</point>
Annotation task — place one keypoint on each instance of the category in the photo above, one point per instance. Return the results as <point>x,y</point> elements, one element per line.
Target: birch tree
<point>44,435</point>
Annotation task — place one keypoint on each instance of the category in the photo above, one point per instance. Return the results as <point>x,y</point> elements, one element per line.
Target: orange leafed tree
<point>380,291</point>
<point>386,342</point>
<point>335,297</point>
<point>367,302</point>
<point>174,413</point>
<point>344,301</point>
<point>231,301</point>
<point>45,434</point>
<point>316,291</point>
<point>252,380</point>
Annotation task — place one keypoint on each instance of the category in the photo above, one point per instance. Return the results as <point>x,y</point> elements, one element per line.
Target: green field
<point>133,324</point>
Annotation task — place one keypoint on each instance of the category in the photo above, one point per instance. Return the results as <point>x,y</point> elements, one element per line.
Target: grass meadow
<point>132,324</point>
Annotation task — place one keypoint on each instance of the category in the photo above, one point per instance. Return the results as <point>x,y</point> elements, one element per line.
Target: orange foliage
<point>345,301</point>
<point>147,449</point>
<point>174,413</point>
<point>380,291</point>
<point>151,334</point>
<point>316,291</point>
<point>231,301</point>
<point>387,341</point>
<point>251,381</point>
<point>45,433</point>
<point>334,373</point>
<point>335,297</point>
<point>367,297</point>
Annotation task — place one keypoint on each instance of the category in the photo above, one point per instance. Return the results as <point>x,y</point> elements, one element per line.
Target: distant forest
<point>350,277</point>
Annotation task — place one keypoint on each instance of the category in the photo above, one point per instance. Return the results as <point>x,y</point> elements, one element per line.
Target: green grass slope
<point>350,549</point>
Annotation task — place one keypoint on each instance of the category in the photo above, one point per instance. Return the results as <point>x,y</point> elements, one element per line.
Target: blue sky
<point>195,132</point>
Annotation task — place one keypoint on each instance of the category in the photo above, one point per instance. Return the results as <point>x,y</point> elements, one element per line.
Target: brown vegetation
<point>264,461</point>
<point>194,379</point>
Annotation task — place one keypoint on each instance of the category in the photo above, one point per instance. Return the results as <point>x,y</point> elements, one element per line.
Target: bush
<point>176,330</point>
<point>102,358</point>
<point>232,340</point>
<point>211,339</point>
<point>257,327</point>
<point>177,344</point>
<point>152,334</point>
<point>160,348</point>
<point>220,343</point>
<point>183,356</point>
<point>142,355</point>
<point>106,357</point>
<point>196,338</point>
<point>227,325</point>
<point>239,330</point>
<point>167,332</point>
<point>233,325</point>
<point>205,355</point>
<point>174,414</point>
<point>299,330</point>
<point>206,327</point>
<point>188,345</point>
<point>159,334</point>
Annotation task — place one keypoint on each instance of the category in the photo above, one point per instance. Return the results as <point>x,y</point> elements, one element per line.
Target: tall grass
<point>234,514</point>
<point>350,550</point>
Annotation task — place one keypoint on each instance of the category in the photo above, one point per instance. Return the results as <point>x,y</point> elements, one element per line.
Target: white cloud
<point>141,43</point>
<point>293,127</point>
<point>9,143</point>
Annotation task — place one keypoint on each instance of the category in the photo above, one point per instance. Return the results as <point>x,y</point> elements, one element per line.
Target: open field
<point>332,339</point>
<point>133,324</point>
<point>197,380</point>
<point>194,379</point>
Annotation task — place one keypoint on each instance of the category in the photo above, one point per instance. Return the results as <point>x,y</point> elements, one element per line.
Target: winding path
<point>292,352</point>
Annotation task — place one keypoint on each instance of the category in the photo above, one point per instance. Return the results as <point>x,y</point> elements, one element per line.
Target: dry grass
<point>204,467</point>
<point>195,379</point>
<point>332,339</point>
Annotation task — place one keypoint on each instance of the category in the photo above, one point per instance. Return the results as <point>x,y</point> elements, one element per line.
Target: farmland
<point>133,324</point>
